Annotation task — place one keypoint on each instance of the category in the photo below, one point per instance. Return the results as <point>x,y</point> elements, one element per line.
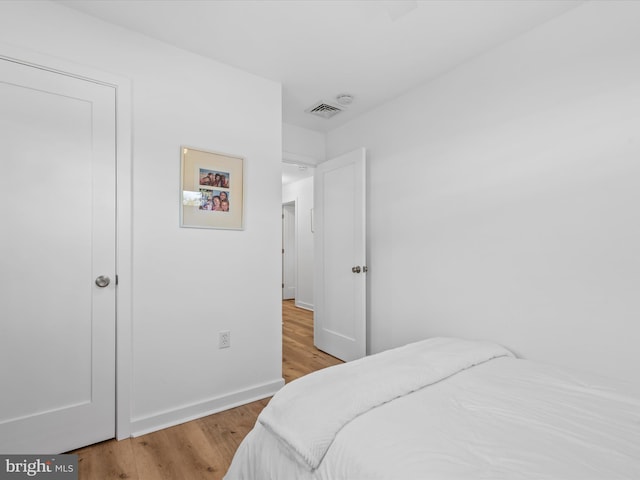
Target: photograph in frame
<point>212,190</point>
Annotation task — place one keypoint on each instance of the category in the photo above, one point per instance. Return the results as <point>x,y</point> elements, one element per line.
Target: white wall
<point>303,145</point>
<point>503,197</point>
<point>188,284</point>
<point>301,192</point>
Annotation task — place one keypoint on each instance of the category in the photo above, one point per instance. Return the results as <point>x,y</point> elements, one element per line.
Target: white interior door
<point>57,205</point>
<point>288,252</point>
<point>340,252</point>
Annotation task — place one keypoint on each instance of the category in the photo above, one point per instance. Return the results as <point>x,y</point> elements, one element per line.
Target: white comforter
<point>474,413</point>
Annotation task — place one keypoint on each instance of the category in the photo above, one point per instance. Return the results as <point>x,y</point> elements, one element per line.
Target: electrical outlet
<point>224,339</point>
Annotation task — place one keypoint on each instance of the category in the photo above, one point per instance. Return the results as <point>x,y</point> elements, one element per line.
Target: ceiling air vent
<point>324,110</point>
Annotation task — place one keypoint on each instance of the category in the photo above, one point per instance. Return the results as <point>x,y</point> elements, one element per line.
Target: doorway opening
<point>297,234</point>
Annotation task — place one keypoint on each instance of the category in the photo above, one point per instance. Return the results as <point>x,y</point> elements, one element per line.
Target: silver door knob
<point>355,269</point>
<point>102,281</point>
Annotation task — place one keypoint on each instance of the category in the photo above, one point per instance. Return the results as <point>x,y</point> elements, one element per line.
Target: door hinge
<point>283,285</point>
<point>116,279</point>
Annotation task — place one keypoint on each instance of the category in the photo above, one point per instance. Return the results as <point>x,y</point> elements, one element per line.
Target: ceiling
<point>318,49</point>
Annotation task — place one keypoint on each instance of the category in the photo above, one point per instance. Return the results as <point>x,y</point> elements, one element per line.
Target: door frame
<point>289,249</point>
<point>124,241</point>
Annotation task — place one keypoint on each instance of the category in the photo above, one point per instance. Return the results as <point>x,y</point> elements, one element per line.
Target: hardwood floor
<point>203,448</point>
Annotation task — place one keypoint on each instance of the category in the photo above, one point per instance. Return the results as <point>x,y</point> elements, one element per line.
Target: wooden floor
<point>203,448</point>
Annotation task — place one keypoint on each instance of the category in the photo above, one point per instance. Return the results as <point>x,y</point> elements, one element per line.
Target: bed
<point>445,408</point>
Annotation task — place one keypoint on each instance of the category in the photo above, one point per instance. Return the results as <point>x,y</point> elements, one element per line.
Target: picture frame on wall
<point>212,189</point>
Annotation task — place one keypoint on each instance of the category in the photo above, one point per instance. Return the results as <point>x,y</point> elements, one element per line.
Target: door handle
<point>102,281</point>
<point>355,269</point>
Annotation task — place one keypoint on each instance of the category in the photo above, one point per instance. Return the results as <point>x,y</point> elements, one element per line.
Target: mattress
<point>476,412</point>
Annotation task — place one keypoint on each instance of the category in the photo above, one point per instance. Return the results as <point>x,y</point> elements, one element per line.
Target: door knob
<point>102,281</point>
<point>356,269</point>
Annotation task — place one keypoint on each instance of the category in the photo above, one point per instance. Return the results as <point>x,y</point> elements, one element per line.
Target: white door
<point>288,252</point>
<point>340,252</point>
<point>57,208</point>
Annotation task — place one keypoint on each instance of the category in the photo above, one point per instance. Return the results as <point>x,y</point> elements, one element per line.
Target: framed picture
<point>212,190</point>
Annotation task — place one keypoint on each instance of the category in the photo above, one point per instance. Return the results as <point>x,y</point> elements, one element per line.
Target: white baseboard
<point>306,306</point>
<point>169,418</point>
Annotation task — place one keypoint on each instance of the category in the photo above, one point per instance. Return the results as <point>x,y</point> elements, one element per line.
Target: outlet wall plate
<point>224,339</point>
